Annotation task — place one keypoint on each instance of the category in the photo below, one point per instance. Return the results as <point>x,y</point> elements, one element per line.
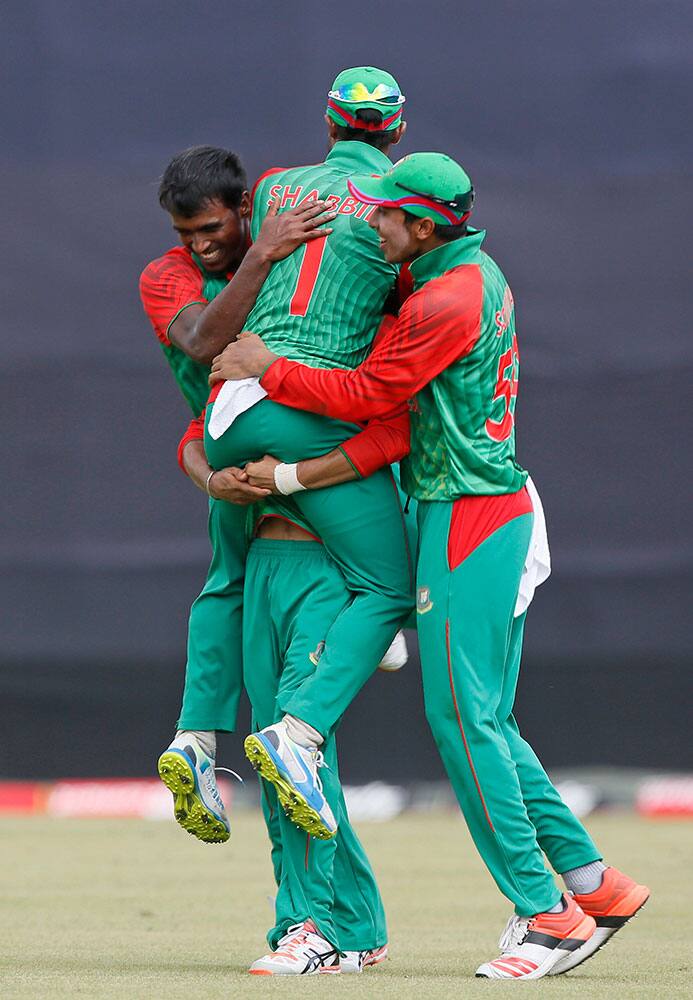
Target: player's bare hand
<point>232,485</point>
<point>261,473</point>
<point>246,358</point>
<point>281,234</point>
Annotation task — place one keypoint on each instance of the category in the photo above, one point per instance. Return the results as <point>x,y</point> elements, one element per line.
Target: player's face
<point>396,241</point>
<point>217,234</point>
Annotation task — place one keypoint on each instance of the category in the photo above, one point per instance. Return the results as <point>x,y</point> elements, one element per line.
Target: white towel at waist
<point>537,565</point>
<point>235,398</point>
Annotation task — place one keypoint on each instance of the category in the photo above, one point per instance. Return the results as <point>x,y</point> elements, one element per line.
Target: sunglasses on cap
<point>461,202</point>
<point>356,93</point>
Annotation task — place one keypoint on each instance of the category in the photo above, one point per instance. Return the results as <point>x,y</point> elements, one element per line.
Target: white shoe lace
<point>514,933</point>
<point>229,771</point>
<point>210,784</point>
<point>317,760</point>
<point>295,937</point>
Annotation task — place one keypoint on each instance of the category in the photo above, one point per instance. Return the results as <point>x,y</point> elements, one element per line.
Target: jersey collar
<point>358,157</point>
<point>448,255</point>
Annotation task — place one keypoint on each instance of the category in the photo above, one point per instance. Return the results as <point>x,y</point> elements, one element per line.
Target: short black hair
<point>371,116</point>
<point>443,232</point>
<point>199,175</point>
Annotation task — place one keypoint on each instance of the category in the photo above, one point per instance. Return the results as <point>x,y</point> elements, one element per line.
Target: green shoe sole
<point>293,803</point>
<point>188,808</point>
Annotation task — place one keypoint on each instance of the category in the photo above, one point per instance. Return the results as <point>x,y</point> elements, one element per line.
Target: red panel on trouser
<point>475,518</point>
<point>461,727</point>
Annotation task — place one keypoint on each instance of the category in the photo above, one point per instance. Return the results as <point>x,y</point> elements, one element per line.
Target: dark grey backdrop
<point>573,120</point>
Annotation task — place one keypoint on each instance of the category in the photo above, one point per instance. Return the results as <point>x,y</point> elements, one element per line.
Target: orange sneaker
<point>612,905</point>
<point>532,946</point>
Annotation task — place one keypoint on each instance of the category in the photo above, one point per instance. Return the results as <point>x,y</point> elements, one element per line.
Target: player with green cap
<point>453,354</point>
<point>325,305</point>
<point>365,88</point>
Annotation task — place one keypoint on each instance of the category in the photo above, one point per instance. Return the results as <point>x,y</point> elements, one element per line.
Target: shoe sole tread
<point>178,776</point>
<point>293,803</point>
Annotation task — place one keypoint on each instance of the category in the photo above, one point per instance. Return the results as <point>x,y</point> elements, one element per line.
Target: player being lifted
<point>325,305</point>
<point>453,353</point>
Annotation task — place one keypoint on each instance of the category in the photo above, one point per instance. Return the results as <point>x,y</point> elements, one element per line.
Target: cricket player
<point>203,188</point>
<point>453,354</point>
<point>327,902</point>
<point>325,305</point>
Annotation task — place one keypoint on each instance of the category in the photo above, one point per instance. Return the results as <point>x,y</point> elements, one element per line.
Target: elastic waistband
<point>282,547</point>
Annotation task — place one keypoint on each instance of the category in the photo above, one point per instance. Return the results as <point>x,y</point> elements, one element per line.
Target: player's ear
<point>398,133</point>
<point>425,228</point>
<point>331,130</point>
<point>244,205</point>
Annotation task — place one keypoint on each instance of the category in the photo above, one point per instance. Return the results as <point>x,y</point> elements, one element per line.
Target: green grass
<point>136,910</point>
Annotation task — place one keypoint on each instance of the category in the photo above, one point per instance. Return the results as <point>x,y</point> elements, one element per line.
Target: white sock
<point>300,732</point>
<point>207,738</point>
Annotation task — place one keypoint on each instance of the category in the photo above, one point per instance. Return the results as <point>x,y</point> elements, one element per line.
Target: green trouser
<point>361,526</point>
<point>470,644</point>
<point>293,593</point>
<point>214,670</point>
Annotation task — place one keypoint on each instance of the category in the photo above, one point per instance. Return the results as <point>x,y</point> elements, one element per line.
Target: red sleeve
<point>195,432</point>
<point>384,441</point>
<point>167,286</point>
<point>437,325</point>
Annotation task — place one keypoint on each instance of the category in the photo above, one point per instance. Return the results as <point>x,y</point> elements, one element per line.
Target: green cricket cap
<point>365,87</point>
<point>428,185</point>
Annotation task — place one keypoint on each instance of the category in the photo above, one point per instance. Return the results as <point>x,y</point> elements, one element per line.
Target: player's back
<point>323,304</point>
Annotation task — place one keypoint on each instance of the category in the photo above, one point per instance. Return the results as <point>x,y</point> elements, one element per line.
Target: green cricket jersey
<point>323,304</point>
<point>463,420</point>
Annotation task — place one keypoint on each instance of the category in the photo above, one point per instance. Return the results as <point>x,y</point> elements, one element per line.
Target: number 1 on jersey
<point>307,276</point>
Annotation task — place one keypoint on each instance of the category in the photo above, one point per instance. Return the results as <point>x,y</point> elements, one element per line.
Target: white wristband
<point>208,481</point>
<point>286,479</point>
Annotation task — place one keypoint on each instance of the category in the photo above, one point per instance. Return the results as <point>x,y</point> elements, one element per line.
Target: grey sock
<point>585,879</point>
<point>207,738</point>
<point>559,907</point>
<point>300,732</point>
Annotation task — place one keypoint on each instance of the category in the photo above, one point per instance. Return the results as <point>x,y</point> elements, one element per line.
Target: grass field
<point>136,910</point>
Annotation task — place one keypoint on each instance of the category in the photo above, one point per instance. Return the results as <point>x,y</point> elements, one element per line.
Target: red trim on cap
<point>355,122</point>
<point>412,199</point>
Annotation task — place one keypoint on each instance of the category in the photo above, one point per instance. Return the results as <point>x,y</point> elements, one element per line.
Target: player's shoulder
<point>281,175</point>
<point>176,261</point>
<point>272,172</point>
<point>454,291</point>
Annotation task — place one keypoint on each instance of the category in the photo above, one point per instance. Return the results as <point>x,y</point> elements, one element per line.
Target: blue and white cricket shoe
<point>188,773</point>
<point>293,770</point>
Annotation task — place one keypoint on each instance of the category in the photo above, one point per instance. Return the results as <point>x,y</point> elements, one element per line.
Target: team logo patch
<point>314,657</point>
<point>423,600</point>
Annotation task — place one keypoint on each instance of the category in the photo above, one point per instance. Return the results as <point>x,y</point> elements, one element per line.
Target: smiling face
<point>216,233</point>
<point>398,241</point>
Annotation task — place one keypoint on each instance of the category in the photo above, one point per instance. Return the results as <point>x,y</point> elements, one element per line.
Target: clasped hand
<point>247,357</point>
